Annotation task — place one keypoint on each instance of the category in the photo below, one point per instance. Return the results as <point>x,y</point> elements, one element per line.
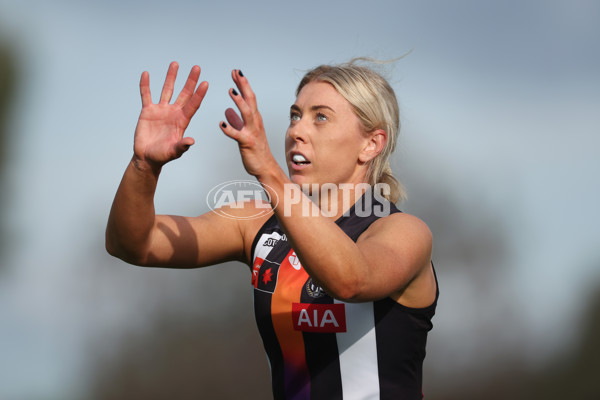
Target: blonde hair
<point>375,104</point>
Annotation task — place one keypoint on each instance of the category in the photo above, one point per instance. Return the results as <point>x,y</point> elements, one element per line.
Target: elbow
<point>116,252</point>
<point>112,246</point>
<point>346,296</point>
<point>115,249</point>
<point>348,291</point>
<point>350,297</point>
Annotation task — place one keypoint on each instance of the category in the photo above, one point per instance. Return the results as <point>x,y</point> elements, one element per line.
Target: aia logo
<point>323,318</point>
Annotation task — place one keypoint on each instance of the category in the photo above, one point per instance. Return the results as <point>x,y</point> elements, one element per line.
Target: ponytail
<point>397,192</point>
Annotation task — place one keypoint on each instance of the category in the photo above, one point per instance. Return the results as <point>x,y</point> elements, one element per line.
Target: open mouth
<point>299,159</point>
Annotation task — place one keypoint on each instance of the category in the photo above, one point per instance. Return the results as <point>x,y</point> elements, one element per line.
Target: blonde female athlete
<point>343,295</point>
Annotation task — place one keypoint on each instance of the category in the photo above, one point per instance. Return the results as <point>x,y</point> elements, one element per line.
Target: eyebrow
<point>294,107</point>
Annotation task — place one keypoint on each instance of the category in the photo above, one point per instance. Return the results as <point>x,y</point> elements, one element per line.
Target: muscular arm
<point>132,220</point>
<point>391,259</point>
<point>134,233</point>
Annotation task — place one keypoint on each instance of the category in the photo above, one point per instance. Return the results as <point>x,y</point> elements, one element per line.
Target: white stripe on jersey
<point>262,249</point>
<point>357,348</point>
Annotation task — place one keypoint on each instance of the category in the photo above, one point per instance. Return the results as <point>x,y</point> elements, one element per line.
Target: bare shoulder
<point>399,247</point>
<point>240,219</point>
<point>399,225</point>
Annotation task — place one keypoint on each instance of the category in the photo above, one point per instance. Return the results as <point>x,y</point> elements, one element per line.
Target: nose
<point>296,133</point>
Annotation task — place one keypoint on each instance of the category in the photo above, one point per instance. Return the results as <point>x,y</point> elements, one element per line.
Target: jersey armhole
<point>262,229</point>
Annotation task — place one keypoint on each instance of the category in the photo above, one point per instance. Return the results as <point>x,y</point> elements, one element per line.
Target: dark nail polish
<point>224,125</point>
<point>240,72</point>
<point>235,93</point>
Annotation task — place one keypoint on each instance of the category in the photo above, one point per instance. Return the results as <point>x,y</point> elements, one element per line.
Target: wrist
<point>144,166</point>
<point>272,175</point>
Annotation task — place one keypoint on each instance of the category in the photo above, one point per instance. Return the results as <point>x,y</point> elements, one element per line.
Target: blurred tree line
<point>8,77</point>
<point>571,376</point>
<point>8,73</point>
<point>182,355</point>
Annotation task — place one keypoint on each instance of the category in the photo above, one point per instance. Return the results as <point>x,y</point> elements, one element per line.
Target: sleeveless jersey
<point>322,348</point>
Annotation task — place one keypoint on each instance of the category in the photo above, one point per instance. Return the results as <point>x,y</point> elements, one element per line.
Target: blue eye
<point>321,117</point>
<point>294,116</point>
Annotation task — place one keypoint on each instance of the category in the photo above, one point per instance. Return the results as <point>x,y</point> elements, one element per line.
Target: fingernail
<point>224,125</point>
<point>235,93</point>
<point>240,72</point>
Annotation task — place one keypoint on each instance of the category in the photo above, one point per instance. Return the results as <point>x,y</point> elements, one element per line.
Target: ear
<point>373,146</point>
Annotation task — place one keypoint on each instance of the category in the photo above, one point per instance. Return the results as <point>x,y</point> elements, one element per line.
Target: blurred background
<point>499,146</point>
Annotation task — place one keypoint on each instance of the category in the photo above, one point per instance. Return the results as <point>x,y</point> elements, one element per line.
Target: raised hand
<point>248,131</point>
<point>159,132</point>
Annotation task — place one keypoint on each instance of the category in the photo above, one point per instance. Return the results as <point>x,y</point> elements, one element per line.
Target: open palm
<point>160,129</point>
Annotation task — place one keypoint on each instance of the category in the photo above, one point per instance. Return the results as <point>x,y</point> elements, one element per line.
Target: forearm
<point>328,255</point>
<point>132,215</point>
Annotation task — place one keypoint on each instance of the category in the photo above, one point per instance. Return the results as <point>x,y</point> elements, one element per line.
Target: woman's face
<point>324,139</point>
